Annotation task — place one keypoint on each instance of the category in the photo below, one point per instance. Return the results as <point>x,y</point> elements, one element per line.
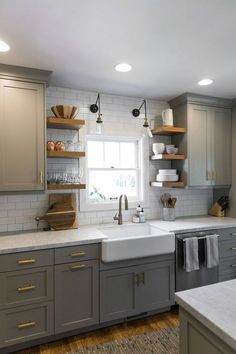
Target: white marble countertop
<point>49,239</point>
<point>91,234</point>
<point>195,223</point>
<point>214,306</point>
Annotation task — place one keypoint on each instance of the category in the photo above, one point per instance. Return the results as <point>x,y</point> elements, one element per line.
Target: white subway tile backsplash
<point>17,211</point>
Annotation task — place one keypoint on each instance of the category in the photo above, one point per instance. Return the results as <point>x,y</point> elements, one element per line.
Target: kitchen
<point>117,177</point>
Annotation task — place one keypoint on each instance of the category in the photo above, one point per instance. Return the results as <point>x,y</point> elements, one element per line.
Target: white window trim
<point>143,156</point>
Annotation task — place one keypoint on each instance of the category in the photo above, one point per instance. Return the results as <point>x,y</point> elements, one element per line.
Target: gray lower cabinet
<point>129,291</point>
<point>227,250</point>
<point>26,323</point>
<point>76,295</point>
<point>117,293</point>
<point>26,296</point>
<point>26,287</point>
<point>155,288</point>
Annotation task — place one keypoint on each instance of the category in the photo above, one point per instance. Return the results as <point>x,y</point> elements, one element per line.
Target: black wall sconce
<point>96,107</point>
<point>136,113</point>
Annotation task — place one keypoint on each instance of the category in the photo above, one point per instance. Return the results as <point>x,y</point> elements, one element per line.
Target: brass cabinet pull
<point>136,279</point>
<point>233,248</point>
<point>142,276</point>
<point>26,325</point>
<point>41,177</point>
<point>26,261</point>
<point>214,175</point>
<point>78,254</point>
<point>139,278</point>
<point>21,289</point>
<point>77,267</point>
<point>233,265</point>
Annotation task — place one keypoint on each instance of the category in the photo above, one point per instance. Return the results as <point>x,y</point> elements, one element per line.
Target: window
<point>114,168</point>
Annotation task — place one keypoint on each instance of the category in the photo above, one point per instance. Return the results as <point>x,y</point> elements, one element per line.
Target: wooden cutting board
<point>62,213</point>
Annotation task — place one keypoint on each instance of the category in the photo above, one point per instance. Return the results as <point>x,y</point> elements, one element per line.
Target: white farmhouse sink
<point>135,241</point>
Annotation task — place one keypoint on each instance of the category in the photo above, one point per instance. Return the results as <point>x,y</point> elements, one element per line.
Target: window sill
<point>111,206</point>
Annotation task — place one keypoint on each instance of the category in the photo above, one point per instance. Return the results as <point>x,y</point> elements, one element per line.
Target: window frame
<point>85,204</point>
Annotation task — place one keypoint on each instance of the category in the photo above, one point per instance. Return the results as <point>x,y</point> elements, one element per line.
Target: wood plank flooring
<point>148,324</point>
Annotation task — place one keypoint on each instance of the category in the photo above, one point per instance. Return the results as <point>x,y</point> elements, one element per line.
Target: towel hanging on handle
<point>212,251</point>
<point>191,258</point>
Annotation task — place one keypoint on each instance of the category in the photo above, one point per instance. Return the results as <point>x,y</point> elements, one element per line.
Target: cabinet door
<point>155,289</point>
<point>22,145</point>
<point>117,293</point>
<point>222,147</point>
<point>76,295</point>
<point>199,146</point>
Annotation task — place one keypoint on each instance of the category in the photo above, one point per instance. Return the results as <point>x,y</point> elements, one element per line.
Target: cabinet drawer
<point>26,286</point>
<point>227,276</point>
<point>228,265</point>
<point>227,234</point>
<point>76,253</point>
<point>26,323</point>
<point>228,248</point>
<point>24,260</point>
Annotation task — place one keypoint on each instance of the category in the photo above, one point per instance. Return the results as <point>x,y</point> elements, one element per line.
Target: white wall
<point>17,211</point>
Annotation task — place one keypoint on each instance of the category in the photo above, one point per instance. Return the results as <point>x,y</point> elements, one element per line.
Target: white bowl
<point>167,178</point>
<point>158,148</point>
<point>167,172</point>
<point>170,146</point>
<point>171,150</point>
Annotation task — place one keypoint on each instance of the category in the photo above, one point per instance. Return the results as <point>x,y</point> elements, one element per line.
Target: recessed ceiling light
<point>205,82</point>
<point>4,47</point>
<point>123,67</point>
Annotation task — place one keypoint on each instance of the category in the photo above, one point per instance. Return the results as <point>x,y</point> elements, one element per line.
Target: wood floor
<point>165,320</point>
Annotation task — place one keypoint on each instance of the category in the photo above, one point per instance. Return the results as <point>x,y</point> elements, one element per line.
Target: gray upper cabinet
<point>21,136</point>
<point>208,142</point>
<point>76,295</point>
<point>22,133</point>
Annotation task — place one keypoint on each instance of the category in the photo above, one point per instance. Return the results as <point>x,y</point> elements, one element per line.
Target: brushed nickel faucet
<point>119,216</point>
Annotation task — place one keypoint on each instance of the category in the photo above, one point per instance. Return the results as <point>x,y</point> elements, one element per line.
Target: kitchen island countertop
<point>213,306</point>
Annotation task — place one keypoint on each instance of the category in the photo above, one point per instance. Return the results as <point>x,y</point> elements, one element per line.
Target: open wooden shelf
<point>66,154</point>
<point>66,186</point>
<point>64,123</point>
<point>168,130</point>
<point>168,184</point>
<point>168,157</point>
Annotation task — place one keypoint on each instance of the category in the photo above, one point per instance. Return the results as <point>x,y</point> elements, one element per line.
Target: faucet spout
<point>119,217</point>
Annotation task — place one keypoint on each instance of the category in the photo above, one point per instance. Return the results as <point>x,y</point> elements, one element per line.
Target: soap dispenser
<point>142,216</point>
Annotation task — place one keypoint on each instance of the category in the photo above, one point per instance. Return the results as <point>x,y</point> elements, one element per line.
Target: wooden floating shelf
<point>64,123</point>
<point>65,186</point>
<point>168,157</point>
<point>66,154</point>
<point>168,130</point>
<point>168,184</point>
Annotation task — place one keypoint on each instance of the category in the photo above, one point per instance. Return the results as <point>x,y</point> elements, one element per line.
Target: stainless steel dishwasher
<point>203,276</point>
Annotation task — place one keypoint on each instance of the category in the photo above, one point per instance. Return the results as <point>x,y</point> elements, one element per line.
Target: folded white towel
<point>191,259</point>
<point>212,251</point>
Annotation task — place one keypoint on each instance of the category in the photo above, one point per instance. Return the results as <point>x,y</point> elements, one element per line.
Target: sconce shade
<point>136,112</point>
<point>94,108</point>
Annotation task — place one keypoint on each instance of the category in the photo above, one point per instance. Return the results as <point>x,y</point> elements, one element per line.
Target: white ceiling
<point>171,44</point>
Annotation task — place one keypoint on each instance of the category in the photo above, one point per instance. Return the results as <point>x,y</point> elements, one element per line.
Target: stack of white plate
<point>167,176</point>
